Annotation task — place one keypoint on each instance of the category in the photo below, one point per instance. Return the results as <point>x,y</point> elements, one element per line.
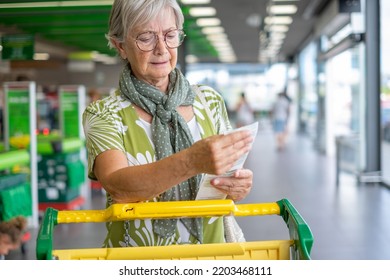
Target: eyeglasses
<point>147,41</point>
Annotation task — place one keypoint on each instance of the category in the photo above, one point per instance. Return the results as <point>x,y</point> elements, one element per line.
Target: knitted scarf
<point>170,134</point>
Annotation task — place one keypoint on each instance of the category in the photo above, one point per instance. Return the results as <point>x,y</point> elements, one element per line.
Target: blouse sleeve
<point>218,109</point>
<point>102,132</point>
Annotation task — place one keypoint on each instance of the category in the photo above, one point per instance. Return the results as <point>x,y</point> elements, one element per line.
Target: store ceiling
<point>61,29</point>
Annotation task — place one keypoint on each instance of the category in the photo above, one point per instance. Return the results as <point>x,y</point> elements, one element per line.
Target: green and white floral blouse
<point>112,123</point>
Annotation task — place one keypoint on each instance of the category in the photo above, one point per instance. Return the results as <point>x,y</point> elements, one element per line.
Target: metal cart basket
<point>297,247</point>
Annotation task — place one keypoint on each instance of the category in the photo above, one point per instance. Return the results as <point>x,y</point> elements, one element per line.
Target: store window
<point>308,90</point>
<point>385,71</point>
<point>385,90</point>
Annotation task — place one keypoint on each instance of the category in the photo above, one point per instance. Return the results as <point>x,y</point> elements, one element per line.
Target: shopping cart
<point>297,247</point>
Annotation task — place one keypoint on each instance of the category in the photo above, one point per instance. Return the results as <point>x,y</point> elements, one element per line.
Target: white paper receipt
<point>206,190</point>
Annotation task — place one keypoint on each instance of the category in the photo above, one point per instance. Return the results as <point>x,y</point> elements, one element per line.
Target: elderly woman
<point>153,139</point>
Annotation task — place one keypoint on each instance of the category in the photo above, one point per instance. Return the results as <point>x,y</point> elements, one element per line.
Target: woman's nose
<point>161,46</point>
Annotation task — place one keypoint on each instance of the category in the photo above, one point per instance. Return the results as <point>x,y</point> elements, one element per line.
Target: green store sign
<point>70,113</point>
<point>17,47</point>
<point>19,106</point>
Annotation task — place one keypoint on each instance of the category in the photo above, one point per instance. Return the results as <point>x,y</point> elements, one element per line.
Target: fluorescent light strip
<point>212,38</point>
<point>195,2</point>
<point>228,59</point>
<point>190,58</point>
<point>225,52</point>
<point>208,22</point>
<point>58,4</point>
<point>213,30</point>
<point>202,11</point>
<point>277,35</point>
<point>41,56</point>
<point>283,9</point>
<point>278,28</point>
<point>278,20</point>
<point>225,46</point>
<point>275,43</point>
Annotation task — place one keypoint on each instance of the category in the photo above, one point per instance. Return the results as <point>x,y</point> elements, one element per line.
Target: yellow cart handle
<point>299,231</point>
<point>172,209</point>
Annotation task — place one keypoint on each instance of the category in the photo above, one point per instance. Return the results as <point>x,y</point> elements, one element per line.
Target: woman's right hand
<point>217,154</point>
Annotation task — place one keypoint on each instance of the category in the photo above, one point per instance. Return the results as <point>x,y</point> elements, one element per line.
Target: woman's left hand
<point>237,187</point>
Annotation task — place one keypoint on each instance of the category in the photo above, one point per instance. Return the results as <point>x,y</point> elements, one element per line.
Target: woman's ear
<point>119,47</point>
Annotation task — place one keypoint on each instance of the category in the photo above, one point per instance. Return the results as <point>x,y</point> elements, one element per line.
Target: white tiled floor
<point>351,221</point>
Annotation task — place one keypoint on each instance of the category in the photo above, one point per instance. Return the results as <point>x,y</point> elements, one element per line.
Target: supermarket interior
<point>330,183</point>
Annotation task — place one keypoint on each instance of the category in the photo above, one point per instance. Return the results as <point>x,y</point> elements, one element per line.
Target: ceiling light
<point>228,59</point>
<point>278,28</point>
<point>271,52</point>
<point>282,9</point>
<point>213,30</point>
<point>190,58</point>
<point>278,20</point>
<point>277,35</point>
<point>222,44</point>
<point>202,11</point>
<point>195,2</point>
<point>208,21</point>
<point>41,56</point>
<point>225,51</point>
<point>278,43</point>
<point>217,37</point>
<point>58,4</point>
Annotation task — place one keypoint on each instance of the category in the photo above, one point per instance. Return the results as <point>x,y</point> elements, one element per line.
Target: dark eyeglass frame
<point>181,35</point>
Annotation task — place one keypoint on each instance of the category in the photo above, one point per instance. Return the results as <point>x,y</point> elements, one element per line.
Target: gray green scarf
<point>170,134</point>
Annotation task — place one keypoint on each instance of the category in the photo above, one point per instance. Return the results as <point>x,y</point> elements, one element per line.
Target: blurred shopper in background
<point>280,115</point>
<point>244,112</point>
<point>93,95</point>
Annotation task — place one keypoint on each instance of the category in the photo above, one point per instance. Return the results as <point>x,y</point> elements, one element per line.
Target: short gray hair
<point>128,14</point>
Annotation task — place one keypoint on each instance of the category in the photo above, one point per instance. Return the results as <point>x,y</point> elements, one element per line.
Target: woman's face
<point>154,66</point>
